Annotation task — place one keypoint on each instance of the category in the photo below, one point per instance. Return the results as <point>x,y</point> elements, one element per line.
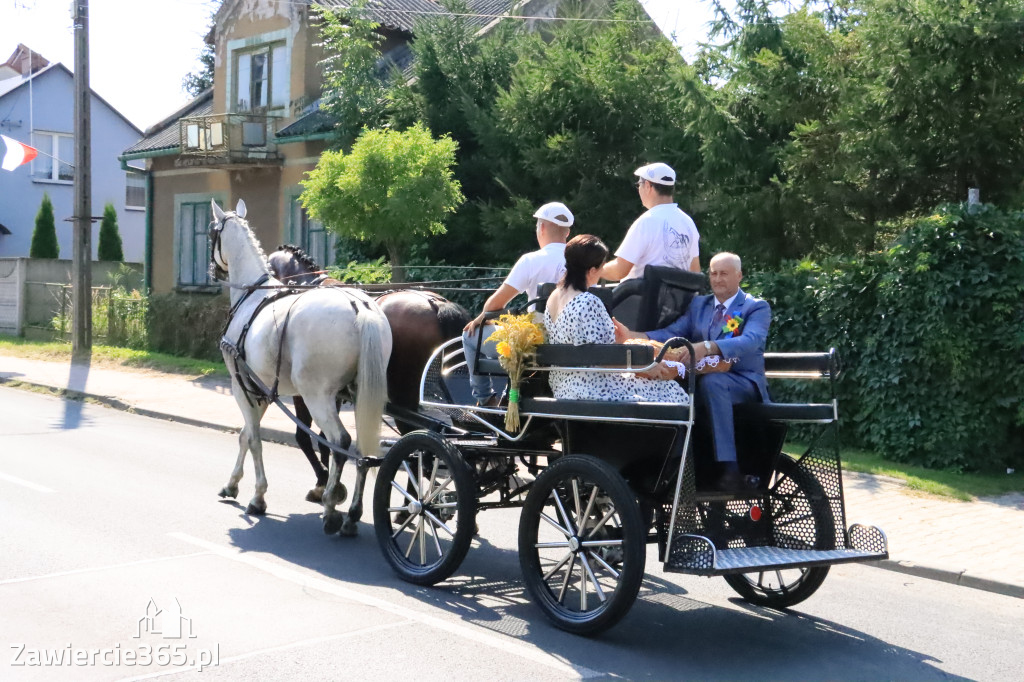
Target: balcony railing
<point>227,139</point>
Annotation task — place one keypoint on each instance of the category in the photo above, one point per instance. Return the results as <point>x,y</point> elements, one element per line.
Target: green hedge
<point>931,335</point>
<point>187,324</point>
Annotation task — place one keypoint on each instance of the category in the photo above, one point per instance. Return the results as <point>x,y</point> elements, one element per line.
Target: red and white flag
<point>17,153</point>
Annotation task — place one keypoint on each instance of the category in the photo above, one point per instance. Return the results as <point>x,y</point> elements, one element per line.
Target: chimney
<point>25,61</point>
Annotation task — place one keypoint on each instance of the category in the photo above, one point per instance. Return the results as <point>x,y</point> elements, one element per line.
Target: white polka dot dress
<point>584,320</point>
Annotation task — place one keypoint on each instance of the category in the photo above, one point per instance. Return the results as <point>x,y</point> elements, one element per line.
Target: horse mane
<point>303,258</point>
<point>255,242</point>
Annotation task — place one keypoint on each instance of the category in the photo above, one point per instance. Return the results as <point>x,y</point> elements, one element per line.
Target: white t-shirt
<point>534,268</point>
<point>664,235</point>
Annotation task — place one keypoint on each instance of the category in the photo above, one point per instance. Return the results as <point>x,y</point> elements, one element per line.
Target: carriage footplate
<point>697,555</point>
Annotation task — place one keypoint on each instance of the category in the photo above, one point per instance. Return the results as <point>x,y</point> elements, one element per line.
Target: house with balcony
<point>257,132</point>
<point>37,108</point>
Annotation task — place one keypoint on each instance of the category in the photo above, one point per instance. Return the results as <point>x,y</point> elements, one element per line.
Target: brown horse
<point>420,322</point>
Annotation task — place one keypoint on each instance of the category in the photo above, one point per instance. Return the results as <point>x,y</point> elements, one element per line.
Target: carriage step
<point>696,555</point>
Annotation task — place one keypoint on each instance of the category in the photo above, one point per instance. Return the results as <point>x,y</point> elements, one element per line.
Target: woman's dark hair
<point>584,251</point>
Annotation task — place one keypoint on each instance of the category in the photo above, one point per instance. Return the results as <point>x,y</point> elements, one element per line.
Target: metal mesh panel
<point>807,504</point>
<point>435,388</point>
<point>693,552</point>
<point>803,510</point>
<point>868,539</point>
<point>686,515</point>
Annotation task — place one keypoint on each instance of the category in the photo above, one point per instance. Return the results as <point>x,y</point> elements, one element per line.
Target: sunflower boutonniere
<point>732,324</point>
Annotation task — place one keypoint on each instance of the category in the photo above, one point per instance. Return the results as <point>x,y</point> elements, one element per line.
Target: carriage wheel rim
<point>578,576</point>
<point>423,513</point>
<point>774,583</point>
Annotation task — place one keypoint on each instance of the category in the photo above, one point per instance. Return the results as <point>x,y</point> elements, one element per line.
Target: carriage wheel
<point>424,508</point>
<point>783,588</point>
<point>582,544</point>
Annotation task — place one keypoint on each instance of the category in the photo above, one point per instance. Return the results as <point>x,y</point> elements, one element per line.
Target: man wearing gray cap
<point>531,270</point>
<point>664,235</point>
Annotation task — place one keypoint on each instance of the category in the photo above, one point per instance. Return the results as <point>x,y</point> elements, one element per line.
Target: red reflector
<point>755,513</point>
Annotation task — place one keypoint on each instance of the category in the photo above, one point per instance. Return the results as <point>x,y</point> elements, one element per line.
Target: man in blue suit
<point>733,325</point>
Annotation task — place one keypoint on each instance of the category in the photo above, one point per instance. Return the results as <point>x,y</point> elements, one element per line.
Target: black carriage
<point>598,481</point>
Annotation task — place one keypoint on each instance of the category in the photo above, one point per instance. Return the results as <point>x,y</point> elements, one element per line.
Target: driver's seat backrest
<point>544,290</point>
<point>657,299</point>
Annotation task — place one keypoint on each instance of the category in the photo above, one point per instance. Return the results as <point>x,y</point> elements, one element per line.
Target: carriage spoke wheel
<point>582,544</point>
<point>804,524</point>
<point>424,508</point>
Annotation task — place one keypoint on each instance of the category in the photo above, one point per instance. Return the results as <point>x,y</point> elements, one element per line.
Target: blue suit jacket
<point>748,346</point>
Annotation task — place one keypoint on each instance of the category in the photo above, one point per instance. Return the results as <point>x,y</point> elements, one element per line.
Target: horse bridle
<point>220,268</point>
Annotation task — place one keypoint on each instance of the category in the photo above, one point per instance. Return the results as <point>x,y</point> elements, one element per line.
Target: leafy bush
<point>363,272</point>
<point>930,333</point>
<point>187,324</point>
<point>118,315</point>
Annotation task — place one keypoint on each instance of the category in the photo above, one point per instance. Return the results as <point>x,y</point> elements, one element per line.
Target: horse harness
<point>255,392</point>
<point>430,297</point>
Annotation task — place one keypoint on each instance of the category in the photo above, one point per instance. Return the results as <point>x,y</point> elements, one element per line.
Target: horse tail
<point>372,388</point>
<point>451,318</point>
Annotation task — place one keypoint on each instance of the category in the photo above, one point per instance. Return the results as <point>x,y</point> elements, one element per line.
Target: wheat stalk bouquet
<point>517,337</point>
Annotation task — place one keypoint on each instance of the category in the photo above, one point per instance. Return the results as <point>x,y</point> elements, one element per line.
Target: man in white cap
<point>531,270</point>
<point>664,235</point>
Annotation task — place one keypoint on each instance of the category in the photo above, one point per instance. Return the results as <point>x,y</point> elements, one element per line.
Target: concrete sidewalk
<point>976,544</point>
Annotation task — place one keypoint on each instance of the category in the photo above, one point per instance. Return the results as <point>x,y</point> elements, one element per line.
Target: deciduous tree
<point>392,189</point>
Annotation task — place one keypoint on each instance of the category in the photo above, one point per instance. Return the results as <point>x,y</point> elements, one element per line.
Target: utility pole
<point>81,268</point>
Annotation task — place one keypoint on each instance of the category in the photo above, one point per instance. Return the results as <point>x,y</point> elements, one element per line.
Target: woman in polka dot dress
<point>575,316</point>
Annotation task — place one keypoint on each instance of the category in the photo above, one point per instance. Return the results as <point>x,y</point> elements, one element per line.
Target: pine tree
<point>110,239</point>
<point>44,237</point>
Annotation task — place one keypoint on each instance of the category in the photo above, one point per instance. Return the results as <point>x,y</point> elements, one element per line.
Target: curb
<point>282,438</point>
<point>268,434</point>
<point>947,576</point>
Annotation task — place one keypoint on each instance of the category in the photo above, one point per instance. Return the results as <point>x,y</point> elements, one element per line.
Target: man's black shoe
<point>732,480</point>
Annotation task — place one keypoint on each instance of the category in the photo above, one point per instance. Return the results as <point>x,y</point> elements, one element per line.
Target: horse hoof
<point>316,495</point>
<point>254,510</point>
<point>228,491</point>
<point>333,521</point>
<point>349,529</point>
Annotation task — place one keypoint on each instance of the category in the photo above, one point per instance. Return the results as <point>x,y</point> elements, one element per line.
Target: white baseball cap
<point>660,173</point>
<point>555,212</point>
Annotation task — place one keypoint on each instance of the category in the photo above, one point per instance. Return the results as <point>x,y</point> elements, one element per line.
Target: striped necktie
<point>717,320</point>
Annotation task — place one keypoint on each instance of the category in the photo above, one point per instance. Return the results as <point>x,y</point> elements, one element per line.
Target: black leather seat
<point>545,289</point>
<point>657,299</point>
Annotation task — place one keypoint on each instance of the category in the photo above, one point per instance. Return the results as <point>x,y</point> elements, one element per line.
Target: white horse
<point>323,344</point>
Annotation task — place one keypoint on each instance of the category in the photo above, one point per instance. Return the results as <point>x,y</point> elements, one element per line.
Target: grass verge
<point>949,484</point>
<point>110,356</point>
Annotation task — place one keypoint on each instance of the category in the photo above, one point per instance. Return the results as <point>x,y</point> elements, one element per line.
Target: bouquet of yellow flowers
<point>517,337</point>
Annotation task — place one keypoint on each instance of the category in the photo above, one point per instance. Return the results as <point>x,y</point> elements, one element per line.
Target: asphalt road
<point>114,548</point>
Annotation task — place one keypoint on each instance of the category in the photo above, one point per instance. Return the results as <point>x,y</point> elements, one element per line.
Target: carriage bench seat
<point>605,410</point>
<point>818,413</point>
<point>795,366</point>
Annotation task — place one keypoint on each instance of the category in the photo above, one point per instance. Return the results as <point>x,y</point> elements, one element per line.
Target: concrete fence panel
<point>32,291</point>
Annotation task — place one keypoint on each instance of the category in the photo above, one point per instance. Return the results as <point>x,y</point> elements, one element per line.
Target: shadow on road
<point>666,635</point>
